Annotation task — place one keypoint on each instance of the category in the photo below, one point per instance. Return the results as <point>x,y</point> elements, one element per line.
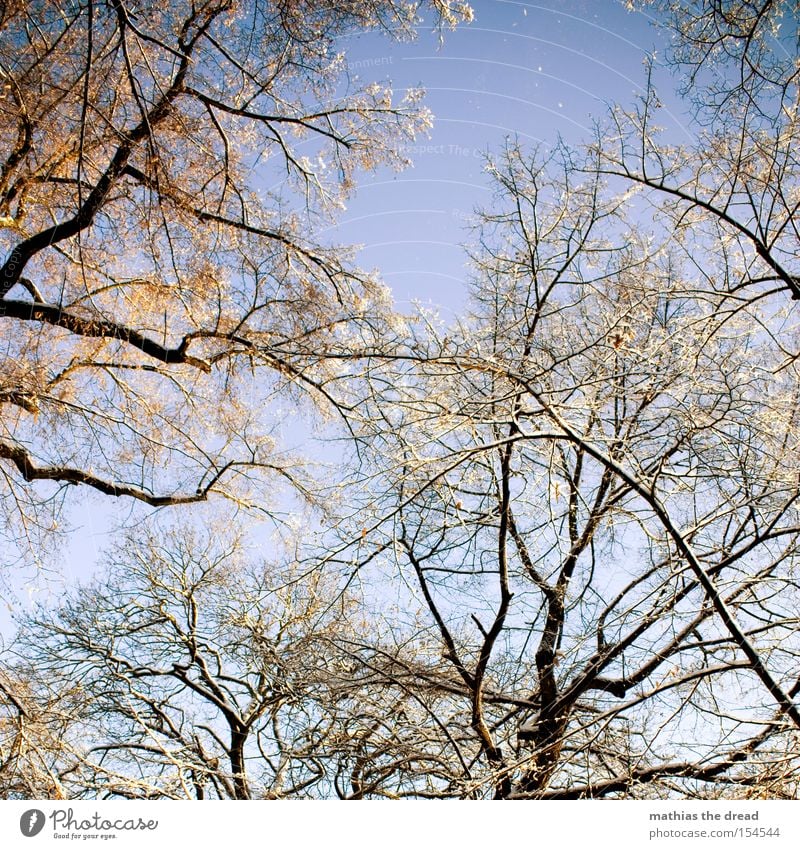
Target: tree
<point>33,728</point>
<point>160,294</point>
<point>574,522</point>
<point>734,189</point>
<point>196,673</point>
<point>591,485</point>
<point>562,560</point>
<point>187,669</point>
<point>734,53</point>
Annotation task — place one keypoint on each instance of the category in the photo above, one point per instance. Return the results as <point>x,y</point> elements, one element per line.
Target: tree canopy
<point>159,292</point>
<point>558,558</point>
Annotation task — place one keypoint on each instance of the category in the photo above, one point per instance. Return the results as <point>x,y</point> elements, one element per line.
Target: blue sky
<point>533,71</point>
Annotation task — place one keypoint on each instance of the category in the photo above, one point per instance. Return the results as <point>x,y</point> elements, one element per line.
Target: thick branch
<point>55,315</point>
<point>31,472</point>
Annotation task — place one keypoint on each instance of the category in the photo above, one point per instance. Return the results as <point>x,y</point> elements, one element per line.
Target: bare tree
<point>591,486</point>
<point>563,562</point>
<point>731,195</point>
<point>187,670</point>
<point>34,725</point>
<point>160,167</point>
<point>734,53</point>
<point>194,674</point>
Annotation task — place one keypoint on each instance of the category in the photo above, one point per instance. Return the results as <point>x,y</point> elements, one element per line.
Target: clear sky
<point>536,71</point>
<point>526,70</point>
